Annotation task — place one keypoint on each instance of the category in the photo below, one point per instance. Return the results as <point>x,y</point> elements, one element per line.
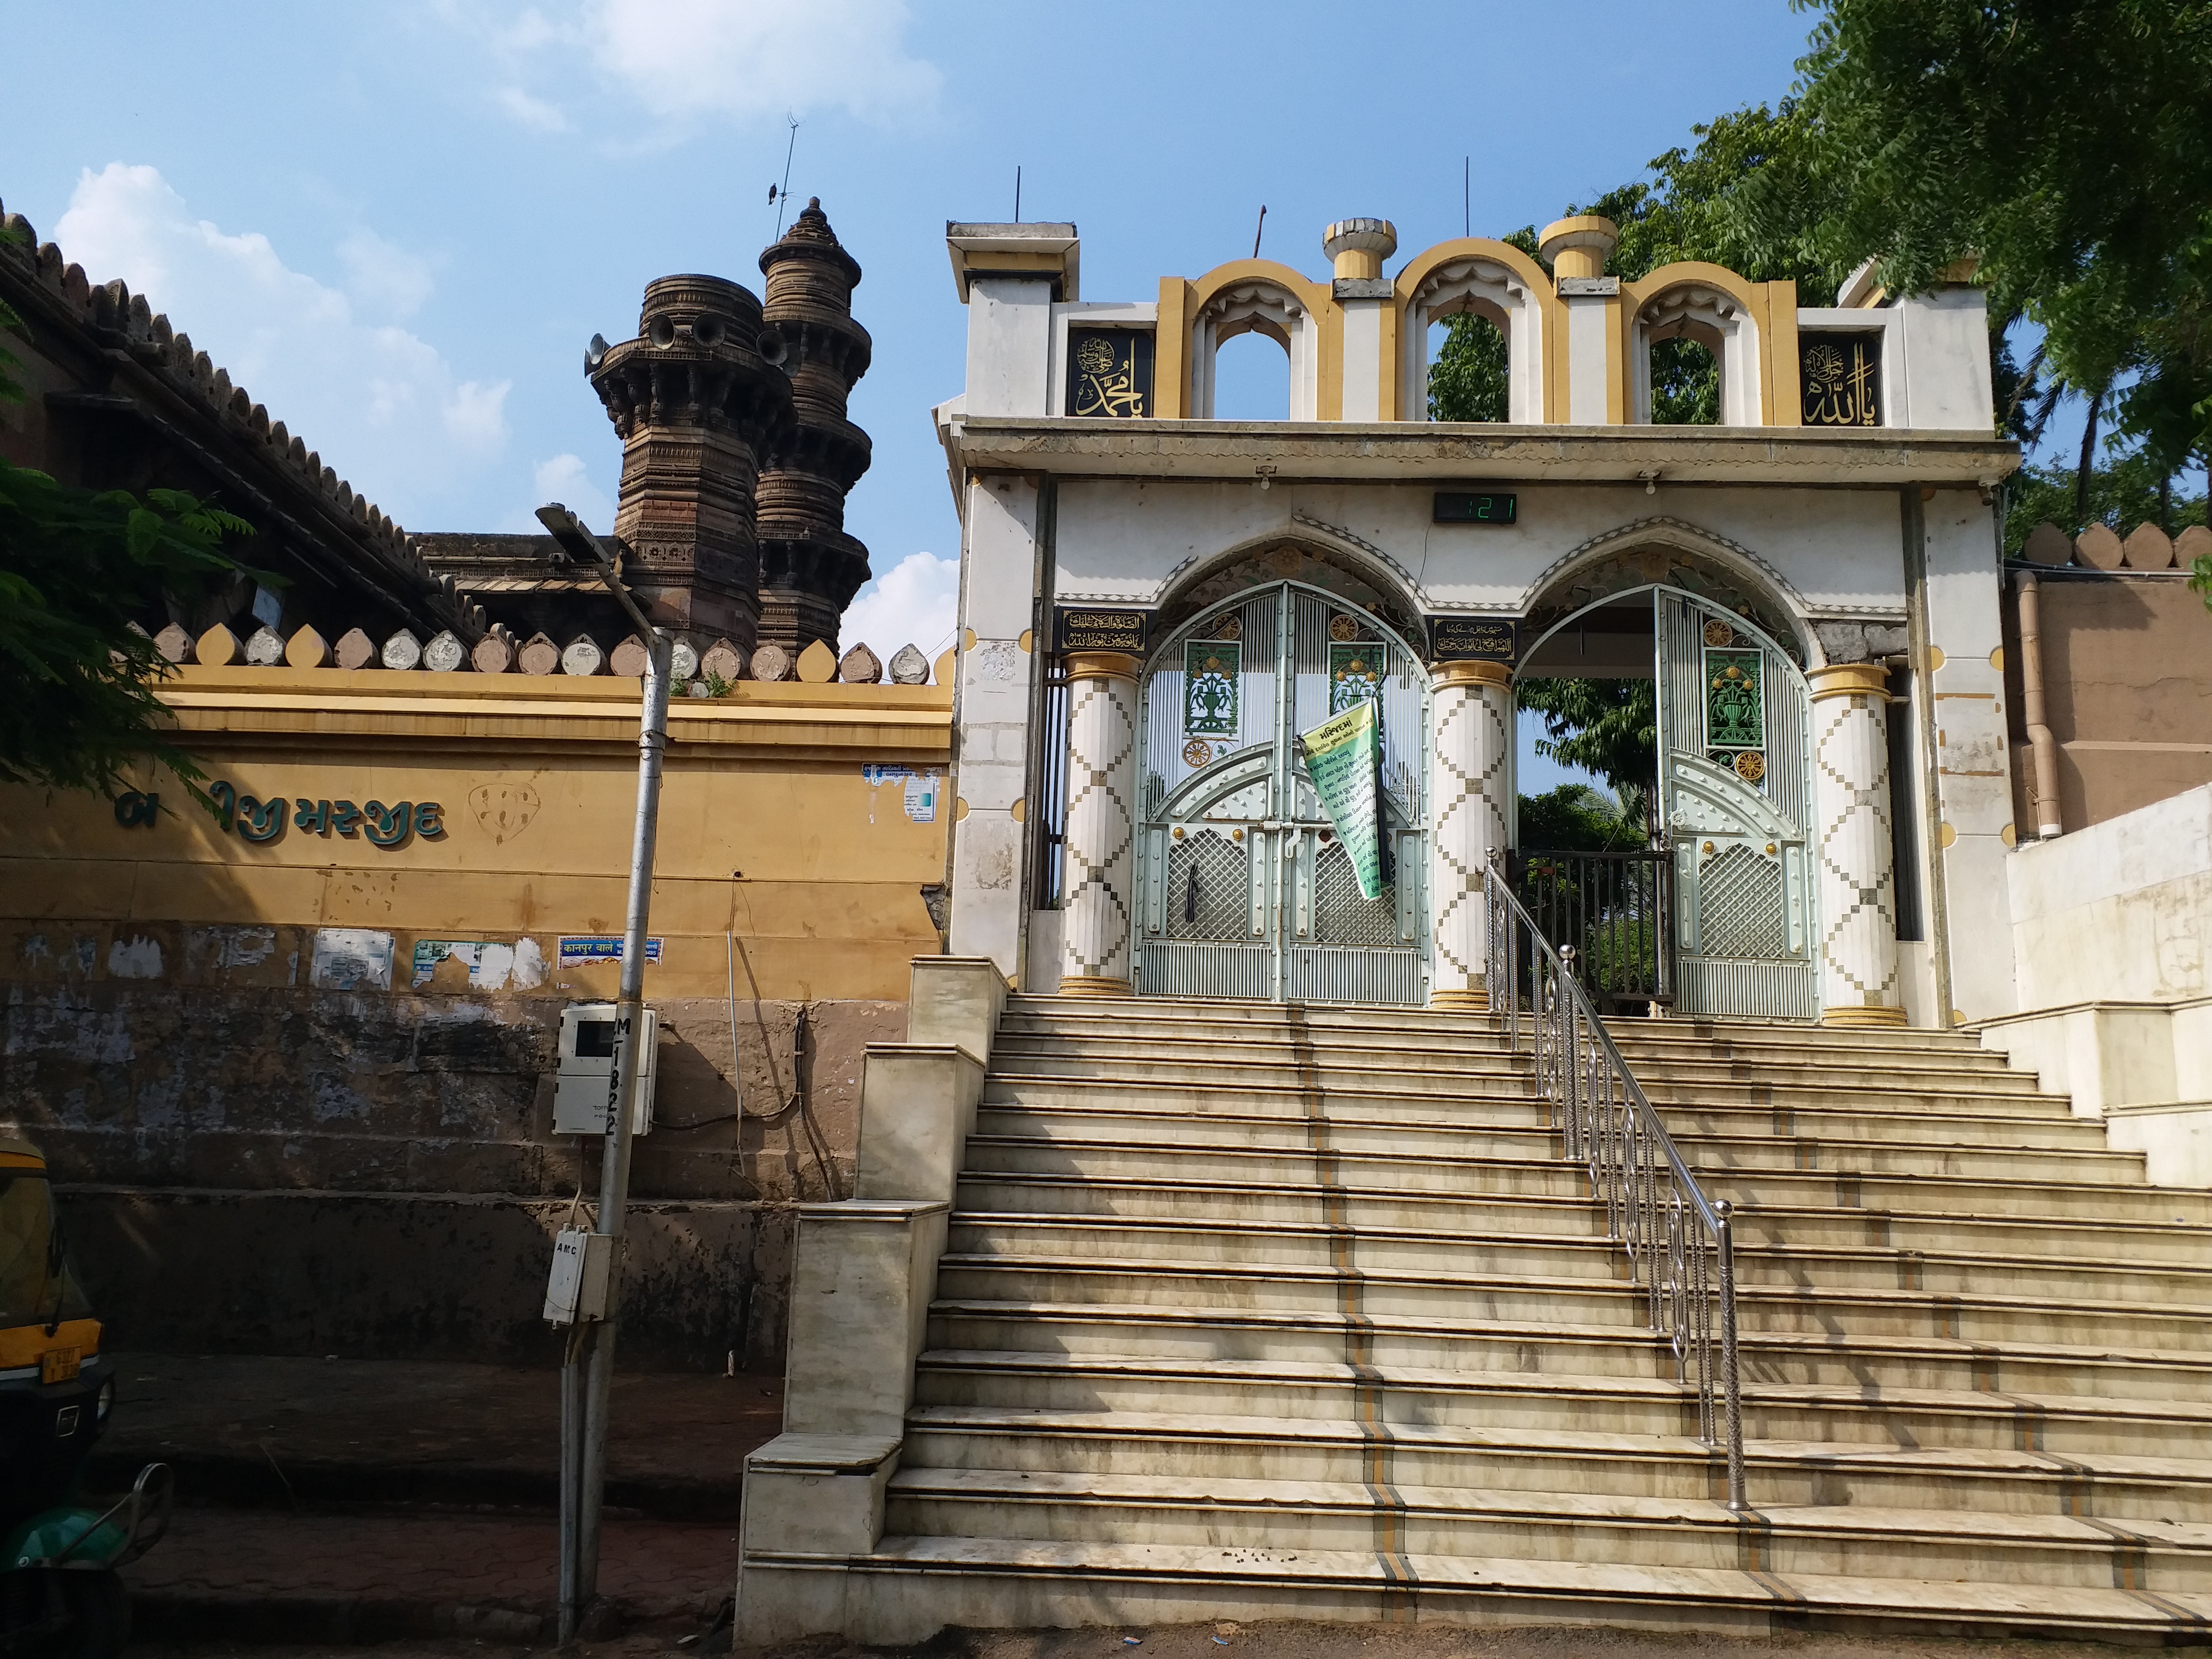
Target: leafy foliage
<point>2068,143</point>
<point>2122,493</point>
<point>77,704</point>
<point>1575,818</point>
<point>1609,728</point>
<point>1468,380</point>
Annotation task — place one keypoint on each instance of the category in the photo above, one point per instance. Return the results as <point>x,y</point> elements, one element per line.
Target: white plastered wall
<point>1973,759</point>
<point>995,676</point>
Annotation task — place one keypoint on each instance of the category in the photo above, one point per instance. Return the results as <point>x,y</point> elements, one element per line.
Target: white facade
<point>1871,542</point>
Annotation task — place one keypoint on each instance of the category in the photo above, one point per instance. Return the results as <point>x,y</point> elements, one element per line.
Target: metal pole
<point>1725,1226</point>
<point>614,1166</point>
<point>587,1375</point>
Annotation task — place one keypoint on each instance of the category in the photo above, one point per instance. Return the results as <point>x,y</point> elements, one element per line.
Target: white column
<point>1100,852</point>
<point>1470,711</point>
<point>1859,876</point>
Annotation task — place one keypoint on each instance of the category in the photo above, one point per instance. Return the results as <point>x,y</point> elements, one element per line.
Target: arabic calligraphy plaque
<point>1110,373</point>
<point>1840,376</point>
<point>1078,629</point>
<point>1473,639</point>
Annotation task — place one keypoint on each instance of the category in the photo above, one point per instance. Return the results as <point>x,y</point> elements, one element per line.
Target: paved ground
<point>359,1501</point>
<point>1273,1641</point>
<point>254,1430</point>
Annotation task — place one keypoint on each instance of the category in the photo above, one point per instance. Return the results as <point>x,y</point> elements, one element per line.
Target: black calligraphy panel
<point>1840,376</point>
<point>1110,373</point>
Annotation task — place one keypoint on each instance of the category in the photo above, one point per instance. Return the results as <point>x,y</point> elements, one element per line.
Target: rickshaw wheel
<point>99,1616</point>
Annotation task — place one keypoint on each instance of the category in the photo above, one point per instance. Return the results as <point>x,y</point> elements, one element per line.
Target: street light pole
<point>587,1368</point>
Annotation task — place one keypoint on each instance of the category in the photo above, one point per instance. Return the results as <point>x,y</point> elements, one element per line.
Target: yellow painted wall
<point>537,778</point>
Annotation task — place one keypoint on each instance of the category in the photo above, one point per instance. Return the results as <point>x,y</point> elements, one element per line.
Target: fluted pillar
<point>1471,713</point>
<point>1100,852</point>
<point>1859,874</point>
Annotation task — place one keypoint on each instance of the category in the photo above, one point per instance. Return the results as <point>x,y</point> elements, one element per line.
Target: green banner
<point>1344,756</point>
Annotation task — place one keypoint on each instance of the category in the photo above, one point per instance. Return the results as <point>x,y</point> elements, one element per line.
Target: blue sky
<point>398,221</point>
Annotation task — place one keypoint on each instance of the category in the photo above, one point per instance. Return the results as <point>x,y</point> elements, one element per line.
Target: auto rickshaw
<point>60,1593</point>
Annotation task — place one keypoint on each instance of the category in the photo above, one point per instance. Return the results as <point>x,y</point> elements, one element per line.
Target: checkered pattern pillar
<point>1101,849</point>
<point>1858,877</point>
<point>1470,711</point>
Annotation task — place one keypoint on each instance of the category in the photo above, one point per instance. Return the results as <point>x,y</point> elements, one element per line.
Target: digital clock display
<point>1477,506</point>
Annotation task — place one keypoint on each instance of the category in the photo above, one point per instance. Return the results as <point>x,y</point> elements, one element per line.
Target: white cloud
<point>566,479</point>
<point>382,405</point>
<point>686,60</point>
<point>916,602</point>
<point>529,111</point>
<point>383,276</point>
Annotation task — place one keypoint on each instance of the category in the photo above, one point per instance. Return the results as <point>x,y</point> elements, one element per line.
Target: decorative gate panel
<point>1244,890</point>
<point>1736,796</point>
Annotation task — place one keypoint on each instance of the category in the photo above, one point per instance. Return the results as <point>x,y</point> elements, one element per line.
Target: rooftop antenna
<point>1017,193</point>
<point>1467,196</point>
<point>1257,228</point>
<point>781,194</point>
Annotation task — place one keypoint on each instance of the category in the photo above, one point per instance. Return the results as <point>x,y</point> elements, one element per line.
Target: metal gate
<point>1736,788</point>
<point>1243,889</point>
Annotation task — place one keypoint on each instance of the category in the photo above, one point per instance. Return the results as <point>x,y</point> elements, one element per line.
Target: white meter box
<point>590,1052</point>
<point>577,1290</point>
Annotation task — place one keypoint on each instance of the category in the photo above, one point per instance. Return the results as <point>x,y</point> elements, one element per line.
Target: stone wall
<point>249,1163</point>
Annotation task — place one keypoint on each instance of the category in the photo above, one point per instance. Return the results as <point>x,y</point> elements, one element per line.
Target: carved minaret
<point>697,407</point>
<point>810,567</point>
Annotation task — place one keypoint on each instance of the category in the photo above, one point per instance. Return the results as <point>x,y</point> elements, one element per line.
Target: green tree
<point>2123,493</point>
<point>1608,728</point>
<point>1575,818</point>
<point>2066,144</point>
<point>77,567</point>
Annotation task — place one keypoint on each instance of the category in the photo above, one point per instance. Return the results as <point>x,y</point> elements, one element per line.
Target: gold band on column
<point>1862,1017</point>
<point>1100,665</point>
<point>1460,1002</point>
<point>1446,674</point>
<point>1092,985</point>
<point>1848,679</point>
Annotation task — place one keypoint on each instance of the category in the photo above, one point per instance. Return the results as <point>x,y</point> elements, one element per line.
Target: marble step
<point>1814,1219</point>
<point>2024,1119</point>
<point>1950,1182</point>
<point>908,1587</point>
<point>1181,1134</point>
<point>1586,1435</point>
<point>1585,1252</point>
<point>2149,1377</point>
<point>1095,1278</point>
<point>1861,1540</point>
<point>1285,1419</point>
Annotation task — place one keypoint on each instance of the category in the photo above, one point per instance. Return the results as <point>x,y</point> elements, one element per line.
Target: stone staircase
<point>1248,1310</point>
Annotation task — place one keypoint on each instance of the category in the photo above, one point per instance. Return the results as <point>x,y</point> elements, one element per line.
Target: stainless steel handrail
<point>1681,1244</point>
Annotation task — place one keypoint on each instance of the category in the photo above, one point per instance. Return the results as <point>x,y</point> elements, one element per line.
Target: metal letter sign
<point>1473,639</point>
<point>1841,378</point>
<point>1110,373</point>
<point>1079,628</point>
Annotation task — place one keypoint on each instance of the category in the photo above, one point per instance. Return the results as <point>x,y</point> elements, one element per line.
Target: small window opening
<point>1251,379</point>
<point>1686,383</point>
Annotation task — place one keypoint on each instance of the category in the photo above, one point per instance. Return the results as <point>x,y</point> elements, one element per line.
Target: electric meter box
<point>588,1059</point>
<point>576,1290</point>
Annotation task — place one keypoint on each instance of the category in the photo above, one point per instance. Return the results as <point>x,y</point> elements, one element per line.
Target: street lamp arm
<point>581,546</point>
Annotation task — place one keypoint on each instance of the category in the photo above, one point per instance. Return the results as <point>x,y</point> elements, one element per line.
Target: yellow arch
<point>1772,307</point>
<point>1182,299</point>
<point>1425,264</point>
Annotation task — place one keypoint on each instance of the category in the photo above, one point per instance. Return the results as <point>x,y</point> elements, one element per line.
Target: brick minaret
<point>810,567</point>
<point>697,407</point>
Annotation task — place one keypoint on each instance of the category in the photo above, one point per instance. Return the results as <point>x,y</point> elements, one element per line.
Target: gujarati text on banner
<point>1344,756</point>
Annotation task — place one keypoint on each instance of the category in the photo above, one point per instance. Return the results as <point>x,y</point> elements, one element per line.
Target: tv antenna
<point>1467,196</point>
<point>781,194</point>
<point>1017,193</point>
<point>1257,228</point>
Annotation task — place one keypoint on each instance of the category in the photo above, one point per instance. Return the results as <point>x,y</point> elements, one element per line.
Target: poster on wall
<point>1344,756</point>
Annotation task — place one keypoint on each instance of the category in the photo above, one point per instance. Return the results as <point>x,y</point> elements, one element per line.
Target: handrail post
<point>1724,1212</point>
